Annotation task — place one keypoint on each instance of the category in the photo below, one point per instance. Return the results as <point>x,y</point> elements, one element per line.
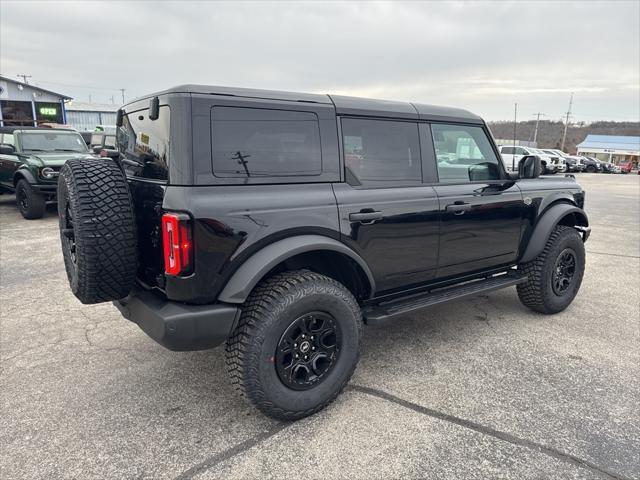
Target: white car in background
<point>511,155</point>
<point>559,158</point>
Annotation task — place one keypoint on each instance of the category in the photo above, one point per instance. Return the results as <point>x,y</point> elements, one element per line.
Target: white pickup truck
<point>511,155</point>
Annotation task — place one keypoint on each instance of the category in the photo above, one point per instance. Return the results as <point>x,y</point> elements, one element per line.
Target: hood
<point>56,159</point>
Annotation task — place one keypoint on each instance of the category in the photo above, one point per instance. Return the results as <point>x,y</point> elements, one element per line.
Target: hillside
<point>550,133</point>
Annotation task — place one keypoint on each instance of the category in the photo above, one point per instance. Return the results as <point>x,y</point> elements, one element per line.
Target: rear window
<point>146,143</point>
<point>257,142</point>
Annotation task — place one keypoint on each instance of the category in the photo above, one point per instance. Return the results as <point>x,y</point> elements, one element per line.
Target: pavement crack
<point>504,436</point>
<point>231,452</point>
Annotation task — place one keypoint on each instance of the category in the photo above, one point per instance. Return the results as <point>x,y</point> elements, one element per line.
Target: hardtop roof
<point>344,105</point>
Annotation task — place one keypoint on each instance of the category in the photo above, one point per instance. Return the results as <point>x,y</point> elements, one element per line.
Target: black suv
<point>281,222</point>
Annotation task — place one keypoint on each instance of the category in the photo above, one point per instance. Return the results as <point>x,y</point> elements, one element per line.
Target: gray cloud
<point>480,56</point>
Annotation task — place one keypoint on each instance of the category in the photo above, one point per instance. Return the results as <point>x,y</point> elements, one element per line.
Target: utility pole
<point>515,119</point>
<point>113,102</point>
<point>566,123</point>
<point>122,90</point>
<point>535,132</point>
<point>24,78</point>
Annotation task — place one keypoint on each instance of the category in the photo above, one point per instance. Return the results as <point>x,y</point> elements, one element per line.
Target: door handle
<point>367,216</point>
<point>458,208</point>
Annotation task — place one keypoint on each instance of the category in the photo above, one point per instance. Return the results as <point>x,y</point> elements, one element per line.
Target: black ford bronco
<point>280,222</point>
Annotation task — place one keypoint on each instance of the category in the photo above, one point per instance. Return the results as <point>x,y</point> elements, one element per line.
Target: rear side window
<point>507,150</point>
<point>146,142</point>
<point>258,142</point>
<point>380,151</point>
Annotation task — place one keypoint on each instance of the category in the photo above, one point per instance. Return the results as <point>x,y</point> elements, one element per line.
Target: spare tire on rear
<point>97,230</point>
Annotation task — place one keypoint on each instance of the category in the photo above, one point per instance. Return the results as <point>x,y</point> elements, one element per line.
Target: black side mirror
<point>529,166</point>
<point>6,149</point>
<point>154,108</point>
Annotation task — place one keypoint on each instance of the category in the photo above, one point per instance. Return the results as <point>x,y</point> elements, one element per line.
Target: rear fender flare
<point>550,219</point>
<point>260,263</point>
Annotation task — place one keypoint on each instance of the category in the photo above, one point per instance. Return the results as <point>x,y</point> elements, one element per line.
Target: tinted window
<point>463,154</point>
<point>256,142</point>
<point>146,142</point>
<point>507,150</point>
<point>379,151</point>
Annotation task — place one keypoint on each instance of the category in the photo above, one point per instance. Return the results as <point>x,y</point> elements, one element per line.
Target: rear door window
<point>259,142</point>
<point>382,152</point>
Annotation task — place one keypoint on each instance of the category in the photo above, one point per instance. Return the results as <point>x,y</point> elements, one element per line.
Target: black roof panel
<point>344,105</point>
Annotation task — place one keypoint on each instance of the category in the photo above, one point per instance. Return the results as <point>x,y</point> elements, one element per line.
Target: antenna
<point>566,123</point>
<point>24,78</point>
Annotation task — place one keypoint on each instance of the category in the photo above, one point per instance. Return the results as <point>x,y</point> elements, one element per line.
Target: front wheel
<point>31,203</point>
<point>296,344</point>
<point>554,276</point>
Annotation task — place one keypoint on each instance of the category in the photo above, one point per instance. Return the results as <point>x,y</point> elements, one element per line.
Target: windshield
<point>52,142</point>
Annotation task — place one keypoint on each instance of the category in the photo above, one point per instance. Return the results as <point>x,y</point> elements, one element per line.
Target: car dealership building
<point>611,148</point>
<point>25,105</point>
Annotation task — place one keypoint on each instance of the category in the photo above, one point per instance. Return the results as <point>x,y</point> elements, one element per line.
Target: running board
<point>392,308</point>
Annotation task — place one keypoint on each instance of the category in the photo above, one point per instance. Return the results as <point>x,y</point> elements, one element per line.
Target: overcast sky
<point>478,56</point>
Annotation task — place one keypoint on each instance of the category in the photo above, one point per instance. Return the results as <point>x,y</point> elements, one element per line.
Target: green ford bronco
<point>30,160</point>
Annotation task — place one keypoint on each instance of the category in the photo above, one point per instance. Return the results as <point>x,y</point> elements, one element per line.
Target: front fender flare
<point>260,263</point>
<point>550,219</point>
<point>23,173</point>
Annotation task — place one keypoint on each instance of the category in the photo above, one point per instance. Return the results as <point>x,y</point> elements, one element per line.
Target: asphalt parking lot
<point>481,388</point>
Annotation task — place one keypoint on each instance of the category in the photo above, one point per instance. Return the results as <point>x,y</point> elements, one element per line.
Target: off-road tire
<point>30,203</point>
<point>94,196</point>
<point>537,292</point>
<point>269,310</point>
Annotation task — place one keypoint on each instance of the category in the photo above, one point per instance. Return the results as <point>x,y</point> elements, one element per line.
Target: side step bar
<point>383,311</point>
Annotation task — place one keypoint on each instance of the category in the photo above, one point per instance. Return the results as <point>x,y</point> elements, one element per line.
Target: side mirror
<point>529,166</point>
<point>97,149</point>
<point>110,153</point>
<point>6,149</point>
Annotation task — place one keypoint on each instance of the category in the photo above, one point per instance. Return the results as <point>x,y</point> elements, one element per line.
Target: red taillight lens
<point>176,243</point>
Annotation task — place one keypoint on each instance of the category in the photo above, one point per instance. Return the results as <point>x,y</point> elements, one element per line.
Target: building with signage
<point>23,105</point>
<point>85,117</point>
<point>611,148</point>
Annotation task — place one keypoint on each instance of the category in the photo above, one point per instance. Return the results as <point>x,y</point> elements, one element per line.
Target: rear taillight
<point>177,244</point>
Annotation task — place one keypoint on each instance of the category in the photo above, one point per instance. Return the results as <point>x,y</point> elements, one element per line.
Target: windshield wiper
<point>34,150</point>
<point>67,150</point>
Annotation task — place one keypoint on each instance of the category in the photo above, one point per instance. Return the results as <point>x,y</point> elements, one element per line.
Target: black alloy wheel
<point>564,271</point>
<point>308,350</point>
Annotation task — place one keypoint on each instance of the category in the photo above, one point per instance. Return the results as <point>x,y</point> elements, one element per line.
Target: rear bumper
<point>178,326</point>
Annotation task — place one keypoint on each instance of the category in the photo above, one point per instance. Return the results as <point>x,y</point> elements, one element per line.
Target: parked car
<point>574,164</point>
<point>101,141</point>
<point>30,160</point>
<point>625,166</point>
<point>239,221</point>
<point>558,159</point>
<point>511,155</point>
<point>591,165</point>
<point>607,167</point>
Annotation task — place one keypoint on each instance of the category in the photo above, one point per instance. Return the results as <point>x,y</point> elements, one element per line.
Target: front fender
<point>549,220</point>
<point>260,263</point>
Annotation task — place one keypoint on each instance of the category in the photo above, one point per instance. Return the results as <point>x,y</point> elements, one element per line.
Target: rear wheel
<point>591,169</point>
<point>30,203</point>
<point>554,276</point>
<point>97,230</point>
<point>296,344</point>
